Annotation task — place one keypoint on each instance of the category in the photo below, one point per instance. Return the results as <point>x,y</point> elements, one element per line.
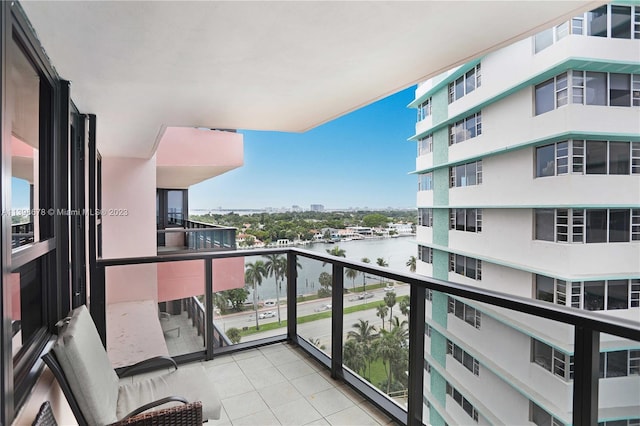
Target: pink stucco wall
<point>187,146</point>
<point>177,280</point>
<point>129,226</point>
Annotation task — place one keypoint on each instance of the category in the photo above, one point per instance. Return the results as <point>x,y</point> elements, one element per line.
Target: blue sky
<point>361,159</point>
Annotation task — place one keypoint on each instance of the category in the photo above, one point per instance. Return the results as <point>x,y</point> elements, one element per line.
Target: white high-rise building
<point>528,171</point>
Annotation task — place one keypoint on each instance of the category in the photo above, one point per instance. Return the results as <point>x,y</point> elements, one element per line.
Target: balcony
<point>192,235</point>
<point>302,336</point>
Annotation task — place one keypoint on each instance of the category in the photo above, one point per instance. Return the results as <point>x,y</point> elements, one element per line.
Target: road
<point>320,329</point>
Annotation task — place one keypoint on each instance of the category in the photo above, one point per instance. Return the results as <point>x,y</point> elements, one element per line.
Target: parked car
<point>389,288</point>
<point>270,303</point>
<point>323,308</point>
<point>267,314</point>
<point>363,296</point>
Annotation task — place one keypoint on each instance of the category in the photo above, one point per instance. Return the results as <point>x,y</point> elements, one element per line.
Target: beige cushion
<point>189,382</point>
<point>85,364</point>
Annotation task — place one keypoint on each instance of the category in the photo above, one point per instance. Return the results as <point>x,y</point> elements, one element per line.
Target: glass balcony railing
<point>191,236</point>
<point>423,351</point>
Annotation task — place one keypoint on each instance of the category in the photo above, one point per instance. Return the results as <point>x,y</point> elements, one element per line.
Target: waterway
<point>395,251</point>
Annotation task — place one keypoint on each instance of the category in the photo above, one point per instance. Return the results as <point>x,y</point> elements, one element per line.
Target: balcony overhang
<point>186,156</point>
<point>284,66</point>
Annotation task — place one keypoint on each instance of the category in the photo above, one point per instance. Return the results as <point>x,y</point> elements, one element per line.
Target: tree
<point>411,263</point>
<point>381,262</point>
<point>404,305</point>
<point>364,335</point>
<point>250,241</point>
<point>352,274</point>
<point>236,297</point>
<point>392,348</point>
<point>337,251</point>
<point>390,301</point>
<point>276,266</point>
<point>375,220</point>
<point>316,342</point>
<point>354,356</point>
<point>253,274</point>
<point>234,335</point>
<point>325,281</point>
<point>381,312</point>
<point>364,277</point>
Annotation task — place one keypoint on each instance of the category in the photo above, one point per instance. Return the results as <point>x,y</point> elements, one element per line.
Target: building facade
<point>528,165</point>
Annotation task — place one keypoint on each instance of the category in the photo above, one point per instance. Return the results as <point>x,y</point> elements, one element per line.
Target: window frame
<point>453,94</point>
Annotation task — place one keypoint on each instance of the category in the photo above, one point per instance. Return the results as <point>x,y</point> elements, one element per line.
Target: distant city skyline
<point>359,160</point>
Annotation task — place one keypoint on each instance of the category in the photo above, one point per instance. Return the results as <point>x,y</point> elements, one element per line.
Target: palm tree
<point>276,266</point>
<point>354,356</point>
<point>364,283</point>
<point>353,274</point>
<point>381,262</point>
<point>253,274</point>
<point>387,349</point>
<point>381,312</point>
<point>390,301</point>
<point>336,251</point>
<point>404,305</point>
<point>364,335</point>
<point>411,263</point>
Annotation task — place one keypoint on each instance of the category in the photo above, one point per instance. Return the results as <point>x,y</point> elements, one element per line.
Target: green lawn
<point>308,318</point>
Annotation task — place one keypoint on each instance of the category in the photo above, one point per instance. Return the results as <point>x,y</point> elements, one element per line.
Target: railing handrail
<point>193,230</point>
<point>210,225</point>
<point>617,326</point>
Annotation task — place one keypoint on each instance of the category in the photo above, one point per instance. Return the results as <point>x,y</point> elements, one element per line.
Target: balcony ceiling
<point>285,66</point>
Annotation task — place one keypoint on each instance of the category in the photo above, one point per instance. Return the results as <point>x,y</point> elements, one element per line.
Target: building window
<point>597,22</point>
<point>424,110</point>
<point>619,363</point>
<point>425,181</point>
<point>466,313</point>
<point>540,417</point>
<point>425,217</point>
<point>469,220</point>
<point>465,84</point>
<point>551,94</point>
<point>466,266</point>
<point>588,88</point>
<point>551,290</point>
<point>588,157</point>
<point>466,174</point>
<point>463,357</point>
<point>425,254</point>
<point>462,402</point>
<point>467,128</point>
<point>551,359</point>
<point>425,145</point>
<point>624,23</point>
<point>427,330</point>
<point>587,225</point>
<point>429,297</point>
<point>427,367</point>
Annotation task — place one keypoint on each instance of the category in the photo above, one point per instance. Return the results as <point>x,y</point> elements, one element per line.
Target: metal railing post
<point>337,320</point>
<point>208,307</point>
<point>417,298</point>
<point>586,375</point>
<point>292,302</point>
<point>97,305</point>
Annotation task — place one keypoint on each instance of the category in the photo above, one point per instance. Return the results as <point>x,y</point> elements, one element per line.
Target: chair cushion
<point>87,369</point>
<point>189,382</point>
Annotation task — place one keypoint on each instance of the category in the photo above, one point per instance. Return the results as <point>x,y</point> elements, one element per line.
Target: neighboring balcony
<point>189,235</point>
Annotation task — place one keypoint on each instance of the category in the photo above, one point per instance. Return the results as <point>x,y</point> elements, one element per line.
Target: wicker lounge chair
<point>97,395</point>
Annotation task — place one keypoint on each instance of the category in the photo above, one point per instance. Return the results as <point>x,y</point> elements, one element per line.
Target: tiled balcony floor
<point>282,385</point>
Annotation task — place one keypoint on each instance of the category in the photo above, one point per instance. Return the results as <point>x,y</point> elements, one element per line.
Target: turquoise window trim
<point>583,64</point>
<point>444,83</point>
<point>525,268</point>
<point>519,387</point>
<point>622,137</point>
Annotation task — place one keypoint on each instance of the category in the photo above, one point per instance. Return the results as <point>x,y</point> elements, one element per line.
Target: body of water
<point>395,251</point>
